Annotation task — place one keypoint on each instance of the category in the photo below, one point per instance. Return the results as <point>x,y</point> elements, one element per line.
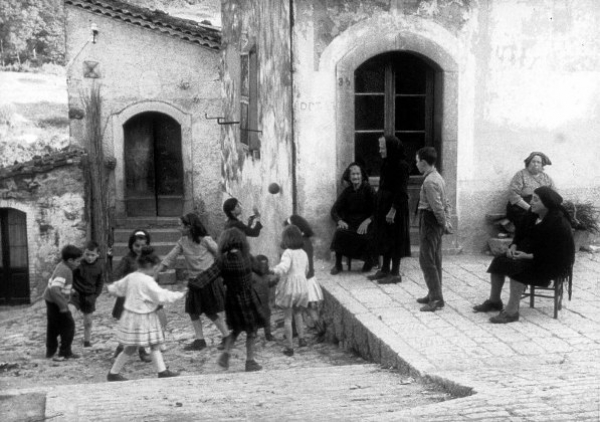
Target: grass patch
<point>56,122</point>
<point>42,111</point>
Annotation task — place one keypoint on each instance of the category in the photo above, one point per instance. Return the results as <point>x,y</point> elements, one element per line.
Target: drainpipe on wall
<point>294,184</point>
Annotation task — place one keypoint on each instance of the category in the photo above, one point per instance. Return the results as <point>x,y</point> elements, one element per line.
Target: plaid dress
<point>243,307</point>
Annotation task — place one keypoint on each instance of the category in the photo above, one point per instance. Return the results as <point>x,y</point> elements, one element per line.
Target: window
<point>393,95</point>
<point>249,100</point>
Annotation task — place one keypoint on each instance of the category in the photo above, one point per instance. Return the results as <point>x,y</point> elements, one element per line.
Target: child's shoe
<point>168,374</point>
<point>87,344</point>
<point>269,337</point>
<point>252,366</point>
<point>302,343</point>
<point>115,377</point>
<point>224,360</point>
<point>197,344</point>
<point>288,351</point>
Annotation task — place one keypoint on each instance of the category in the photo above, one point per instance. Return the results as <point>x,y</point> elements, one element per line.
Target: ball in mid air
<point>274,188</point>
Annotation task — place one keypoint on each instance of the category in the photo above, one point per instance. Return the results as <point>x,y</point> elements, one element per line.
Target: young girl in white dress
<point>139,325</point>
<point>291,293</point>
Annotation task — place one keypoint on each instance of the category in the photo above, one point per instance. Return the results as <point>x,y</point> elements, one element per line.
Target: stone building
<point>314,83</point>
<point>158,78</point>
<point>42,209</point>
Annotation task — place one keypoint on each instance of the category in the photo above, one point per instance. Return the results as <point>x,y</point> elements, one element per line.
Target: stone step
<point>357,392</point>
<point>147,223</point>
<point>170,234</point>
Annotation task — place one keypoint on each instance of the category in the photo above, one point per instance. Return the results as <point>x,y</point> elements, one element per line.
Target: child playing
<point>87,286</point>
<point>199,250</point>
<point>315,293</point>
<point>139,325</point>
<point>57,296</point>
<point>291,293</point>
<point>128,264</point>
<point>242,304</point>
<point>262,284</point>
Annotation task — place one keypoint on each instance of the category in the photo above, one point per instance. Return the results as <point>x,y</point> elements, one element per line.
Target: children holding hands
<point>139,325</point>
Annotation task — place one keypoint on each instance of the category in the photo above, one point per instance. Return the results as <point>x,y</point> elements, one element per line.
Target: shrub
<point>585,216</point>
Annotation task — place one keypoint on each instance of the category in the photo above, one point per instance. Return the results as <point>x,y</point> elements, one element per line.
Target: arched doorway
<point>153,166</point>
<point>14,262</point>
<point>395,94</point>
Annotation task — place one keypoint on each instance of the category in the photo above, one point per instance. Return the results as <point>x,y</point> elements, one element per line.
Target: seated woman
<point>523,184</point>
<point>352,212</point>
<point>542,250</point>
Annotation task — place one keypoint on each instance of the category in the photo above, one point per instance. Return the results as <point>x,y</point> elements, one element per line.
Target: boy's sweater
<point>59,286</point>
<point>87,278</point>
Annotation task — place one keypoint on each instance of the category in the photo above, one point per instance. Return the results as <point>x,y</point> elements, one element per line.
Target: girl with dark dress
<point>392,221</point>
<point>542,250</point>
<point>128,264</point>
<point>353,213</point>
<point>243,308</point>
<point>232,209</point>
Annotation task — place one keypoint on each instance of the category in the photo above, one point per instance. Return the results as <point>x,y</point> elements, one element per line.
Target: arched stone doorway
<point>395,94</point>
<point>14,262</point>
<point>154,182</point>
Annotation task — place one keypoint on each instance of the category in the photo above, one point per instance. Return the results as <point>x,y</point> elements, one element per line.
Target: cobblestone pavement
<point>536,369</point>
<point>23,364</point>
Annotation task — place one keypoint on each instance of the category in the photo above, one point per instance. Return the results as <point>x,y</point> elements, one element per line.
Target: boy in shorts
<point>87,284</point>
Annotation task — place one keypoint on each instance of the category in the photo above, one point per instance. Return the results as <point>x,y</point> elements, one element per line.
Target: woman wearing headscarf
<point>353,213</point>
<point>542,250</point>
<point>524,182</point>
<point>233,209</point>
<point>391,223</point>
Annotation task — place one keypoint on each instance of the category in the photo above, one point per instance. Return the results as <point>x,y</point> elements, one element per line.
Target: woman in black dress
<point>392,221</point>
<point>353,213</point>
<point>542,250</point>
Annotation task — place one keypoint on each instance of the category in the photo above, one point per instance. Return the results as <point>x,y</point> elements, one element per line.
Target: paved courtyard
<point>536,369</point>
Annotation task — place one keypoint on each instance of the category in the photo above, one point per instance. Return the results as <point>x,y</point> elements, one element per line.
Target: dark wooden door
<point>394,94</point>
<point>14,262</point>
<point>153,166</point>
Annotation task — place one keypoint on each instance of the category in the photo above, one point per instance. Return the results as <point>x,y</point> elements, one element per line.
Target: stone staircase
<point>351,392</point>
<point>164,233</point>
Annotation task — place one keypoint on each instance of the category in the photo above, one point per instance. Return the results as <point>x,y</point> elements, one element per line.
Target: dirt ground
<point>23,363</point>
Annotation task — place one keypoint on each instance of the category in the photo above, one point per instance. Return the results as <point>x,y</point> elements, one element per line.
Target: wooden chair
<point>554,291</point>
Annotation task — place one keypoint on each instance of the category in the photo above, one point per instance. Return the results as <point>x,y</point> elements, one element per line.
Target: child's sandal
<point>288,351</point>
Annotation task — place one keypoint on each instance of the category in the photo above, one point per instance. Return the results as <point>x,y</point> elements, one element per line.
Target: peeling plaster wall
<point>145,70</point>
<point>54,204</point>
<point>246,177</point>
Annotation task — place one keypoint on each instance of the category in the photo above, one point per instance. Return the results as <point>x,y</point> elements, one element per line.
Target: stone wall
<point>143,69</point>
<point>50,191</point>
<point>245,175</point>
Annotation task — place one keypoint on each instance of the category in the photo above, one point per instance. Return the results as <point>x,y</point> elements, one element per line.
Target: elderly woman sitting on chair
<point>542,250</point>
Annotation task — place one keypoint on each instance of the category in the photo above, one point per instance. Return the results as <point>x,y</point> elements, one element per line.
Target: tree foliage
<point>32,30</point>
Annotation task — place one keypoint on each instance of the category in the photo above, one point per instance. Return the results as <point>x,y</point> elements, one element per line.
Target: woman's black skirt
<point>209,300</point>
<point>351,244</point>
<point>519,270</point>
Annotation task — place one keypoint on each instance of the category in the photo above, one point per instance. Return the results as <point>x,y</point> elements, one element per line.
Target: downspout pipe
<point>293,145</point>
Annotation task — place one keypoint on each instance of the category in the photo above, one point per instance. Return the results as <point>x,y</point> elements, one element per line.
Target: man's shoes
<point>433,306</point>
<point>221,345</point>
<point>115,377</point>
<point>197,344</point>
<point>378,275</point>
<point>87,344</point>
<point>168,374</point>
<point>504,318</point>
<point>488,306</point>
<point>223,360</point>
<point>252,366</point>
<point>390,279</point>
<point>144,356</point>
<point>423,300</point>
<point>288,351</point>
<point>335,270</point>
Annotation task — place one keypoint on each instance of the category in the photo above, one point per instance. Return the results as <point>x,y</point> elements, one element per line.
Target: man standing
<point>434,221</point>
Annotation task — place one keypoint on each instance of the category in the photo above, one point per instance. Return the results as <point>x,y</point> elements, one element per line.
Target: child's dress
<point>209,300</point>
<point>243,307</point>
<point>139,324</point>
<point>292,289</point>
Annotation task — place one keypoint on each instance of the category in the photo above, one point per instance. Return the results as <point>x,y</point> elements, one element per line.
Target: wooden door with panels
<point>153,166</point>
<point>14,261</point>
<point>394,95</point>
